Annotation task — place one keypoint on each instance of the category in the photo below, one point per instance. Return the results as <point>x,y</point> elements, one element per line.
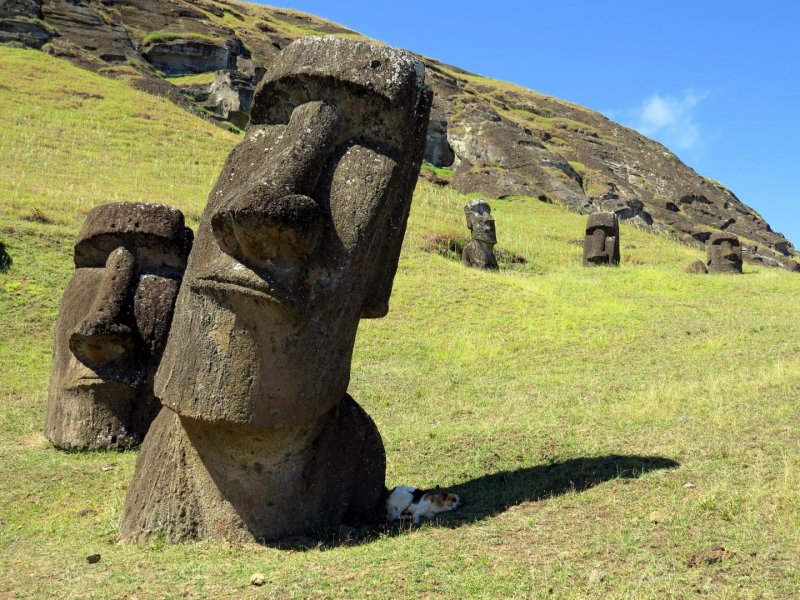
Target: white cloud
<point>670,119</point>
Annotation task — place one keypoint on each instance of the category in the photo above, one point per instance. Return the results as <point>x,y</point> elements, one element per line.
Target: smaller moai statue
<point>479,252</point>
<point>724,253</point>
<point>113,324</point>
<point>601,244</point>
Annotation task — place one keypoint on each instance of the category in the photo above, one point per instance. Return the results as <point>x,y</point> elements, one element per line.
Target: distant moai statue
<point>479,252</point>
<point>112,325</point>
<point>300,239</point>
<point>601,244</point>
<point>724,253</point>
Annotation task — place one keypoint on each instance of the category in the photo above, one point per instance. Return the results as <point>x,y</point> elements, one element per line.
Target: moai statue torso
<point>724,254</point>
<point>601,244</point>
<point>479,252</point>
<point>113,324</point>
<point>300,239</point>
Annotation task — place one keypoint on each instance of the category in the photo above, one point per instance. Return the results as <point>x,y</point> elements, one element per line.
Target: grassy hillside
<point>608,428</point>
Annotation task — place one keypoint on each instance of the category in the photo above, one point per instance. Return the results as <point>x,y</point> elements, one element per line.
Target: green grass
<point>198,79</point>
<point>168,36</point>
<point>442,172</point>
<point>535,393</point>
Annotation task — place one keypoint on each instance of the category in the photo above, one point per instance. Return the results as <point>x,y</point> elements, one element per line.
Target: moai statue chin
<point>601,244</point>
<point>479,252</point>
<point>112,325</point>
<point>300,239</point>
<point>724,254</point>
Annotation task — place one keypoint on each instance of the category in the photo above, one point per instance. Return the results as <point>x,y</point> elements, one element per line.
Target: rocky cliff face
<point>490,137</point>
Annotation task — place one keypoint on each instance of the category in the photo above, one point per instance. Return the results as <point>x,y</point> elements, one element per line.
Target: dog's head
<point>446,501</point>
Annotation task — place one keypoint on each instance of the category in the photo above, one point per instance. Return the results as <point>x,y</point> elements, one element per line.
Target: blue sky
<point>717,82</point>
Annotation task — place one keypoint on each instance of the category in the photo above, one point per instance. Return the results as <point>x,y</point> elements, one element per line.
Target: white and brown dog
<point>406,500</point>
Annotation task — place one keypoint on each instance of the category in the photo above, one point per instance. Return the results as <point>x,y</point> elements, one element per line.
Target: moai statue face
<point>300,238</point>
<point>113,324</point>
<point>601,245</point>
<point>724,253</point>
<point>480,221</point>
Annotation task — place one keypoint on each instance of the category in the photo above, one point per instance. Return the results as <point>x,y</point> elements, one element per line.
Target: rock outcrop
<point>500,140</point>
<point>21,24</point>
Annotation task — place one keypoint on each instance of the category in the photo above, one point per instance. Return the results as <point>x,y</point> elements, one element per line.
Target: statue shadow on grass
<point>494,493</point>
<point>5,259</point>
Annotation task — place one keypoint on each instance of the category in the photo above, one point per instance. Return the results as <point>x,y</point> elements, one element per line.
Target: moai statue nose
<point>274,219</point>
<point>104,337</point>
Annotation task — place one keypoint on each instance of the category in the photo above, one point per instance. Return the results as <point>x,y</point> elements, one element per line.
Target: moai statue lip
<point>300,237</point>
<point>601,244</point>
<point>479,252</point>
<point>300,240</point>
<point>724,254</point>
<point>112,325</point>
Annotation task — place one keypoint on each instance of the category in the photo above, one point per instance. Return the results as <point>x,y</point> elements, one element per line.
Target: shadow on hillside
<point>5,259</point>
<point>494,493</point>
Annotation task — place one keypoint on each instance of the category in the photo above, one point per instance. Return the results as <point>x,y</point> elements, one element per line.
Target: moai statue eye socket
<point>724,253</point>
<point>300,239</point>
<point>112,325</point>
<point>479,252</point>
<point>601,244</point>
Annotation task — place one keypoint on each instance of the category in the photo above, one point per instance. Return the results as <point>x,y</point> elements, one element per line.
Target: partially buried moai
<point>300,239</point>
<point>479,252</point>
<point>112,325</point>
<point>724,253</point>
<point>601,244</point>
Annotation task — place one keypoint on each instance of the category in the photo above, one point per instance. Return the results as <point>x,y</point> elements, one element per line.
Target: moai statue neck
<point>479,252</point>
<point>300,240</point>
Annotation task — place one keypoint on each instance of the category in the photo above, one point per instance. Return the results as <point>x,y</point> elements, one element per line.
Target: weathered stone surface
<point>24,32</point>
<point>479,252</point>
<point>113,324</point>
<point>724,254</point>
<point>300,239</point>
<point>698,267</point>
<point>21,8</point>
<point>601,244</point>
<point>186,56</point>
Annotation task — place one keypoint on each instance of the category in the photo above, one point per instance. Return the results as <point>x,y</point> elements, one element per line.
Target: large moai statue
<point>300,239</point>
<point>724,253</point>
<point>479,252</point>
<point>112,325</point>
<point>601,244</point>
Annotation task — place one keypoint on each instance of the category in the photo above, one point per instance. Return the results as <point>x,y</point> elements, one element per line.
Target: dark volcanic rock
<point>189,56</point>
